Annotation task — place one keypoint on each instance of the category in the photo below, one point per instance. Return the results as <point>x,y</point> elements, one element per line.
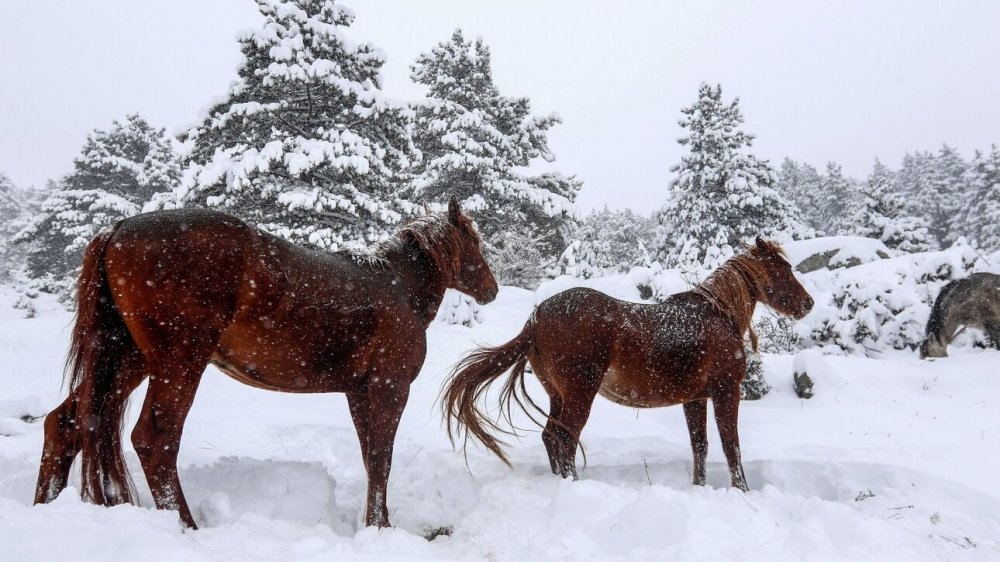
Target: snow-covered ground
<point>894,459</point>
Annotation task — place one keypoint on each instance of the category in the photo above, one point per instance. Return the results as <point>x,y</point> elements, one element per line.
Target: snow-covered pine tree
<point>304,144</point>
<point>933,183</point>
<point>722,195</point>
<point>117,172</point>
<point>981,215</point>
<point>11,210</point>
<point>477,144</point>
<point>952,194</point>
<point>881,214</point>
<point>837,201</point>
<point>800,184</point>
<point>611,241</point>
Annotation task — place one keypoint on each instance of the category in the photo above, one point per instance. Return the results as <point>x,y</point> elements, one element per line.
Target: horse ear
<point>454,210</point>
<point>762,245</point>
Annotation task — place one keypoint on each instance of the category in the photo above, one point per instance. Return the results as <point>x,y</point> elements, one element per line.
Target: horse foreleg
<point>157,437</point>
<point>386,400</point>
<point>357,403</point>
<point>727,407</point>
<point>696,414</point>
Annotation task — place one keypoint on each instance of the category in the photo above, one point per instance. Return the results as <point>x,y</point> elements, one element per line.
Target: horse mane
<point>731,288</point>
<point>433,233</point>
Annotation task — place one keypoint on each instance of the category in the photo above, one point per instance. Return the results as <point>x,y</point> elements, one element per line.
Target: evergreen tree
<point>610,242</point>
<point>117,172</point>
<point>933,184</point>
<point>837,201</point>
<point>477,144</point>
<point>800,185</point>
<point>11,211</point>
<point>304,144</point>
<point>881,214</point>
<point>981,215</point>
<point>722,195</point>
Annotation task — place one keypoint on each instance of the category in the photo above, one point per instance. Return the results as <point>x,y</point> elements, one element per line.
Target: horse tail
<point>472,377</point>
<point>99,344</point>
<point>935,324</point>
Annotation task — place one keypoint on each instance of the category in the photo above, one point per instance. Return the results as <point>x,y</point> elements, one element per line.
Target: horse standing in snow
<point>164,294</point>
<point>973,302</point>
<point>581,343</point>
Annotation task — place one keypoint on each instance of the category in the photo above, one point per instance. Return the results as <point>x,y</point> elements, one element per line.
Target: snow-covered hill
<point>894,459</point>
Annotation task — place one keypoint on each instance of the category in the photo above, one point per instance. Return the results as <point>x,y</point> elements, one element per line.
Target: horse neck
<point>724,290</point>
<point>420,280</point>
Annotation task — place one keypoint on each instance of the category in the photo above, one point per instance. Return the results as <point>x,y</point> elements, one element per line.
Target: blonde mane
<point>734,287</point>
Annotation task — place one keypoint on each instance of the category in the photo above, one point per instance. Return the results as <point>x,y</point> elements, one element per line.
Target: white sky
<point>818,81</point>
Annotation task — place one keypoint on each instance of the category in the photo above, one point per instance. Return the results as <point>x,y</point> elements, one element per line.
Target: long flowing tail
<point>99,344</point>
<point>470,380</point>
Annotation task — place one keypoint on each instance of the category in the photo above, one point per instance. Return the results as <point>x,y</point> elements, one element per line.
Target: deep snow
<point>894,459</point>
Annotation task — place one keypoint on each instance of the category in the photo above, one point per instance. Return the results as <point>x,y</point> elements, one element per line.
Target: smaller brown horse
<point>162,295</point>
<point>973,302</point>
<point>581,343</point>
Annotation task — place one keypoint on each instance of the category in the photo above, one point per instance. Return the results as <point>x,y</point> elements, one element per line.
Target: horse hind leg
<point>62,443</point>
<point>551,437</point>
<point>63,432</point>
<point>157,433</point>
<point>575,409</point>
<point>696,414</point>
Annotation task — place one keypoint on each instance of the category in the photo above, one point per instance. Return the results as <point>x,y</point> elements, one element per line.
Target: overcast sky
<point>818,81</point>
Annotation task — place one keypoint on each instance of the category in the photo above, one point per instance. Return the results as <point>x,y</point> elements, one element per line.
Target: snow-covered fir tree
<point>117,172</point>
<point>11,212</point>
<point>609,241</point>
<point>933,185</point>
<point>980,215</point>
<point>477,144</point>
<point>722,195</point>
<point>800,184</point>
<point>881,214</point>
<point>304,143</point>
<point>837,201</point>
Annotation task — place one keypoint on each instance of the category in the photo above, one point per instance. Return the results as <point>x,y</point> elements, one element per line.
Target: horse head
<point>782,291</point>
<point>472,275</point>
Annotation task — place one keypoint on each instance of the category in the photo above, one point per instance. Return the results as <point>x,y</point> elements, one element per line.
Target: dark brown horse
<point>581,343</point>
<point>164,294</point>
<point>972,302</point>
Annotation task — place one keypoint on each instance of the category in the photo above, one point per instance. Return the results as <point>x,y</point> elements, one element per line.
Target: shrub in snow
<point>117,171</point>
<point>882,305</point>
<point>459,308</point>
<point>477,144</point>
<point>754,387</point>
<point>722,195</point>
<point>517,258</point>
<point>304,144</point>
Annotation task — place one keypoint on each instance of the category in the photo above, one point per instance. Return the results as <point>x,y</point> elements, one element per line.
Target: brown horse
<point>164,294</point>
<point>581,343</point>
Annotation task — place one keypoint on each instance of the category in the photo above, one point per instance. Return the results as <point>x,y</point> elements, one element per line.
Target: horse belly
<point>640,388</point>
<point>286,366</point>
